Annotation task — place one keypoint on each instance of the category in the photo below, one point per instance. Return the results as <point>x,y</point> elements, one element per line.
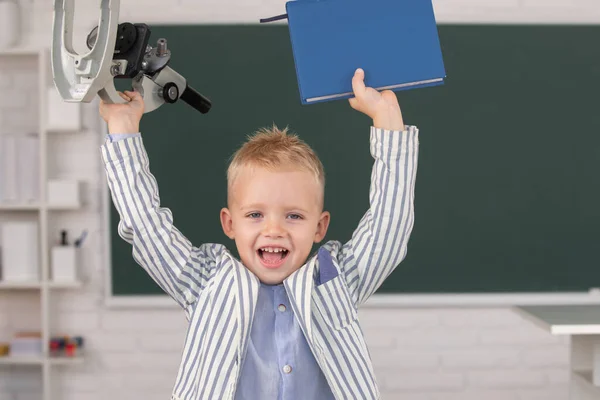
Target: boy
<point>271,326</point>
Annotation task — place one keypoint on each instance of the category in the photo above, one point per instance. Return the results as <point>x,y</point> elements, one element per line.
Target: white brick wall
<point>419,354</point>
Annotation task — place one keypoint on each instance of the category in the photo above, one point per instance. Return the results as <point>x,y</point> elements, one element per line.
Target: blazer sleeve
<point>379,243</point>
<point>179,268</point>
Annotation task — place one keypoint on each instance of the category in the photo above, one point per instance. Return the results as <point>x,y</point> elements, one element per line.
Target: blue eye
<point>254,215</point>
<point>295,216</point>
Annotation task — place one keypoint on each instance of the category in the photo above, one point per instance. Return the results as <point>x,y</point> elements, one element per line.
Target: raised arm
<point>180,269</point>
<point>379,243</point>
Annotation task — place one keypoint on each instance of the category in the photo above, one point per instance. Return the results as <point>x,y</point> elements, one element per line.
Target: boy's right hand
<point>123,118</point>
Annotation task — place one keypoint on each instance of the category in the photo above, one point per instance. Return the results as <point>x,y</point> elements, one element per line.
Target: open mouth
<point>272,257</point>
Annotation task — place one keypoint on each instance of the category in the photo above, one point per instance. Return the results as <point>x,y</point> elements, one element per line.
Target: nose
<point>273,229</point>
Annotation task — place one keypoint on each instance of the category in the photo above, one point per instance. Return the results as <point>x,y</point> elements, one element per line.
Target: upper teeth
<point>272,249</point>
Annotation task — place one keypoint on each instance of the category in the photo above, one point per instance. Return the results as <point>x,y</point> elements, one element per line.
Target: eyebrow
<point>261,206</point>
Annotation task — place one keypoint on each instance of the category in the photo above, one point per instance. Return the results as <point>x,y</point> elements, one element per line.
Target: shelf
<point>64,208</point>
<point>20,207</point>
<point>16,360</point>
<point>37,206</point>
<point>65,360</point>
<point>64,285</point>
<point>39,360</point>
<point>20,51</point>
<point>20,285</point>
<point>38,285</point>
<point>77,132</point>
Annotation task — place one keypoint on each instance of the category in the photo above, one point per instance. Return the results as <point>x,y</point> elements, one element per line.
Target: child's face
<point>274,218</point>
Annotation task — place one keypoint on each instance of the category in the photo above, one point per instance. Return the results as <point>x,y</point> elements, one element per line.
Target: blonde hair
<point>274,148</point>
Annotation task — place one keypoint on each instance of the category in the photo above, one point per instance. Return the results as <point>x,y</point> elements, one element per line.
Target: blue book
<point>395,41</point>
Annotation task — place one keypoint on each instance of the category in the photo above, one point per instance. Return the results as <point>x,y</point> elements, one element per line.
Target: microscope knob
<point>170,92</point>
<point>126,37</point>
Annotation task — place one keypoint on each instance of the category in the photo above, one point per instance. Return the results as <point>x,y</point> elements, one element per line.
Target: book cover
<point>395,41</point>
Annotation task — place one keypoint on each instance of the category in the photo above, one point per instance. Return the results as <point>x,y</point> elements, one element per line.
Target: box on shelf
<point>20,252</point>
<point>62,115</point>
<point>64,264</point>
<point>26,345</point>
<point>64,193</point>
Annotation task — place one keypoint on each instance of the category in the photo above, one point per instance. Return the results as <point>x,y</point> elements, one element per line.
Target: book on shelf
<point>19,169</point>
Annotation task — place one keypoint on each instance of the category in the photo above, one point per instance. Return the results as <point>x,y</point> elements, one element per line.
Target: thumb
<point>358,83</point>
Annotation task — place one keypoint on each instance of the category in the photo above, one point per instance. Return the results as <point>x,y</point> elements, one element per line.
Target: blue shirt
<point>279,363</point>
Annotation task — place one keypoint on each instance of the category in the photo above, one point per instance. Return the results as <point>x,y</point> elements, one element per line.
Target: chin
<point>270,281</point>
<point>273,277</point>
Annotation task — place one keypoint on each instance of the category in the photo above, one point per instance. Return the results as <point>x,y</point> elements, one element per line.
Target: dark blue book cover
<point>395,41</point>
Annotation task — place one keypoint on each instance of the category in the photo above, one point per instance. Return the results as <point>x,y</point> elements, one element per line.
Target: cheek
<point>246,232</point>
<point>245,248</point>
<point>242,224</point>
<point>304,237</point>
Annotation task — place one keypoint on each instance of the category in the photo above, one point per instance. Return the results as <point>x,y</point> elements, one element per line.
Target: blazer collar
<point>299,287</point>
<point>247,295</point>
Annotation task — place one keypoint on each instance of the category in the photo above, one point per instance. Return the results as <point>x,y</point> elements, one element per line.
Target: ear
<point>227,223</point>
<point>322,226</point>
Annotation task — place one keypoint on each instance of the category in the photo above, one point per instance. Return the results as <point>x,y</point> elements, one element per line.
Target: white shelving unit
<point>41,212</point>
<point>40,360</point>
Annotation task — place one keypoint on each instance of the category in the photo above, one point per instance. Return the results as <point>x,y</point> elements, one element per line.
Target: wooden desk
<point>582,324</point>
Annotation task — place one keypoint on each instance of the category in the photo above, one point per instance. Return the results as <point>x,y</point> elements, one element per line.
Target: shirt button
<point>281,307</point>
<point>287,369</point>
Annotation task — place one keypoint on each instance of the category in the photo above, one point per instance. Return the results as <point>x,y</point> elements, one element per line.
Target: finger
<point>353,103</point>
<point>124,96</point>
<point>134,95</point>
<point>136,98</point>
<point>358,82</point>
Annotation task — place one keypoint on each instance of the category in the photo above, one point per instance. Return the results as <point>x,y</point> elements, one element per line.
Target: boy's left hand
<point>382,107</point>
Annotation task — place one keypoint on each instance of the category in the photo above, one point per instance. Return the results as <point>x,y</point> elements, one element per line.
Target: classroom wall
<point>419,354</point>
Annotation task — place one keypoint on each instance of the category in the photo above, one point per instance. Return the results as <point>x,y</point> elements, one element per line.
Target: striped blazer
<point>218,294</point>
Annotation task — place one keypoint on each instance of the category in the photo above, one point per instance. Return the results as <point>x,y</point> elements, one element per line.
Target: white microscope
<point>116,51</point>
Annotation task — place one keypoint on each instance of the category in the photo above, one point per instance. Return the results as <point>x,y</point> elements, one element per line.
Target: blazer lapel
<point>299,287</point>
<point>247,295</point>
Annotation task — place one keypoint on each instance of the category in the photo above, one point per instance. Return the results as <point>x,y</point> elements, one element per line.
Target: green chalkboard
<point>508,187</point>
